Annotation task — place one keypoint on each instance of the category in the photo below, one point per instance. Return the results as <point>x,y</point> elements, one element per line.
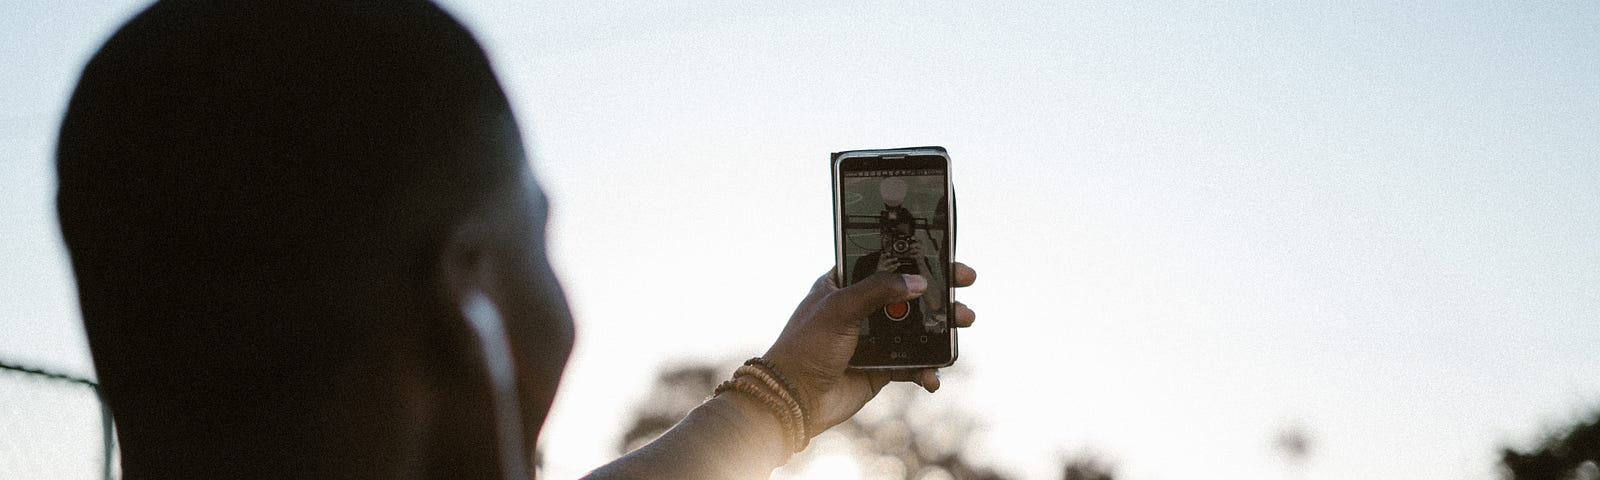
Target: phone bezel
<point>839,241</point>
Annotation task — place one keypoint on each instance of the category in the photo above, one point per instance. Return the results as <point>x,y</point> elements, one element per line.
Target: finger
<point>965,275</point>
<point>823,286</point>
<point>927,378</point>
<point>876,379</point>
<point>964,315</point>
<point>851,304</point>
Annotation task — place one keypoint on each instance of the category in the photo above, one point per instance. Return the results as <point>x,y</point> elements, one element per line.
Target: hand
<point>887,263</point>
<point>815,347</point>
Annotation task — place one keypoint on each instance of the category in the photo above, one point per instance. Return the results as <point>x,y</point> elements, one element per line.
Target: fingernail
<point>915,284</point>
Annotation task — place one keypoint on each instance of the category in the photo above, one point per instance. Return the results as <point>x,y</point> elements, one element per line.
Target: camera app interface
<point>895,221</point>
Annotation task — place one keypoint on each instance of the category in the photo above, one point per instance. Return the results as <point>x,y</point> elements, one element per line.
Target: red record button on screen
<point>897,311</point>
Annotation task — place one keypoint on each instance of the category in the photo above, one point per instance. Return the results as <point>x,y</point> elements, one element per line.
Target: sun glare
<point>831,466</point>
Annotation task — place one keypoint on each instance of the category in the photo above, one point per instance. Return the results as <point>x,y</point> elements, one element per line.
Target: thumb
<point>853,303</point>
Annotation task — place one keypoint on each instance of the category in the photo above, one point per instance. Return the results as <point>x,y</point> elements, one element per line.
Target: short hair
<point>247,188</point>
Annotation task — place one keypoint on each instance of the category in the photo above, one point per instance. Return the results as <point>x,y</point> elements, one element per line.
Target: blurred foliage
<point>1293,442</point>
<point>677,390</point>
<point>1573,454</point>
<point>1086,468</point>
<point>898,437</point>
<point>895,437</point>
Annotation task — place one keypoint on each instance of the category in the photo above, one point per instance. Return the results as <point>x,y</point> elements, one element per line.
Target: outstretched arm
<point>735,436</point>
<point>727,437</point>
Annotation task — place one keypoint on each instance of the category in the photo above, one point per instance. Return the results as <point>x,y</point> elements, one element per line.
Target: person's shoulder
<point>865,266</point>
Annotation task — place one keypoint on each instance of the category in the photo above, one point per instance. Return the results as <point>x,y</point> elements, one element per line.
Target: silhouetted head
<point>277,212</point>
<point>893,191</point>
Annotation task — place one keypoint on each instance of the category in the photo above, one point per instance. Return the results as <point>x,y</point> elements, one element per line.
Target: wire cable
<point>107,426</point>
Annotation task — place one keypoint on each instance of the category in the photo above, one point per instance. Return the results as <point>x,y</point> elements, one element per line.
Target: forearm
<point>729,437</point>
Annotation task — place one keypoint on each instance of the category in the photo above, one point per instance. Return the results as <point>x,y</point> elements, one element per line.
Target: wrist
<point>758,433</point>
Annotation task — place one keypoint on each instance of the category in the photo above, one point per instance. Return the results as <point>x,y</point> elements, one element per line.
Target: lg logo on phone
<point>897,355</point>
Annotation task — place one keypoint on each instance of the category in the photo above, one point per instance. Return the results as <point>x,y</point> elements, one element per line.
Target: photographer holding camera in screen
<point>900,251</point>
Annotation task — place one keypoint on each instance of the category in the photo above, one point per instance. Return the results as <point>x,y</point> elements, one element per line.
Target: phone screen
<point>894,217</point>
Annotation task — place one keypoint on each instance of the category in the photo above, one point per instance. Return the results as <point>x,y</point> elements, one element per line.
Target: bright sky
<point>1194,225</point>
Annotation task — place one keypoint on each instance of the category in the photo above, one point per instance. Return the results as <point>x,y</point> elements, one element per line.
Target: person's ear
<point>467,275</point>
<point>462,271</point>
<point>466,271</point>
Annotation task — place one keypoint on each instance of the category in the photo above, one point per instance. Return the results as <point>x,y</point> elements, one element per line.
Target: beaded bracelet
<point>766,366</point>
<point>773,390</point>
<point>742,384</point>
<point>796,413</point>
<point>772,369</point>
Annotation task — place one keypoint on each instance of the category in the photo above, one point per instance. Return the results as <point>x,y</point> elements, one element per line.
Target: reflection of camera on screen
<point>905,244</point>
<point>898,230</point>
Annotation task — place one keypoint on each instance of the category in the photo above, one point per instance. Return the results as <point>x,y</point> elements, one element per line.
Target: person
<point>928,309</point>
<point>307,244</point>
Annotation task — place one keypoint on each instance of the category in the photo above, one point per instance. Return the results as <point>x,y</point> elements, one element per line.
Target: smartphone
<point>894,211</point>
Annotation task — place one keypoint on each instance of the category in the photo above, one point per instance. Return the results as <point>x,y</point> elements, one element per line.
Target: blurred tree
<point>1087,467</point>
<point>1570,455</point>
<point>1293,443</point>
<point>677,389</point>
<point>895,437</point>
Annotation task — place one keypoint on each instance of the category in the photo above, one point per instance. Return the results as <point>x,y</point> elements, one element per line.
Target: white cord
<point>500,364</point>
